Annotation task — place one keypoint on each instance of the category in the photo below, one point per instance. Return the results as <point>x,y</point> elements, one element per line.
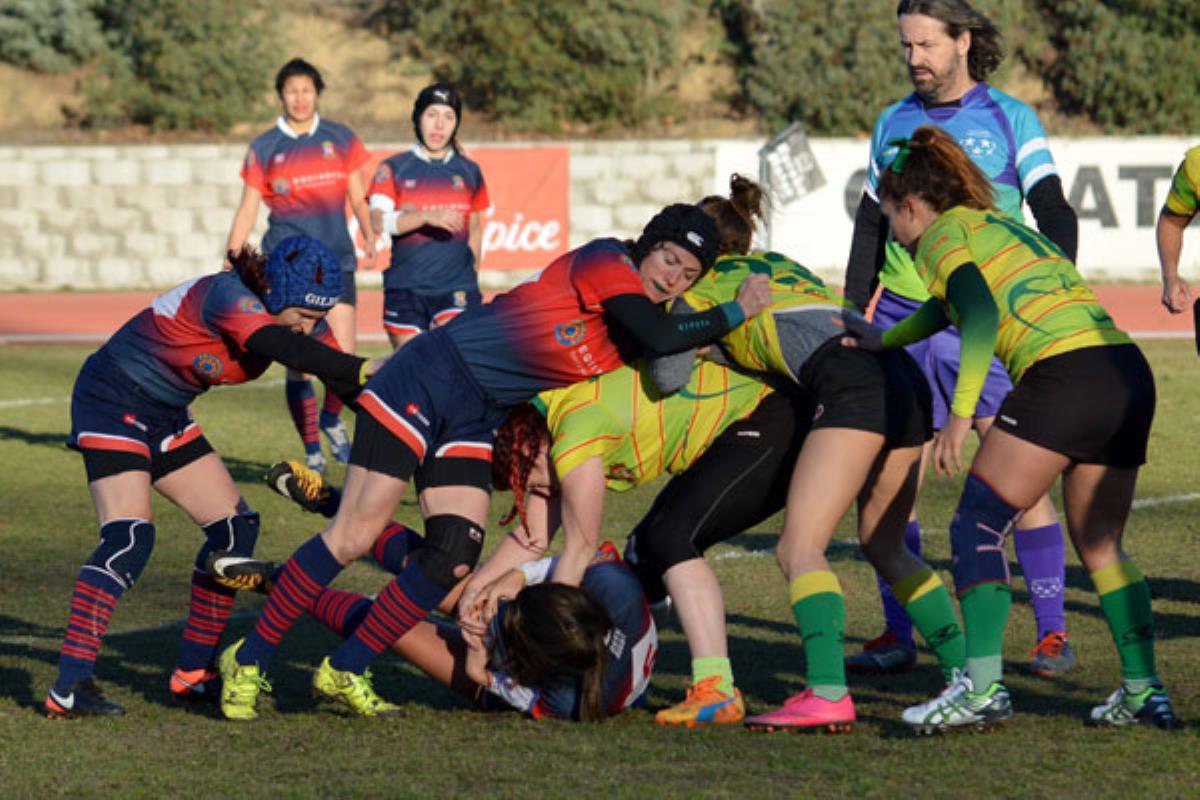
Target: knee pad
<point>451,550</point>
<point>236,534</point>
<point>977,535</point>
<point>124,551</point>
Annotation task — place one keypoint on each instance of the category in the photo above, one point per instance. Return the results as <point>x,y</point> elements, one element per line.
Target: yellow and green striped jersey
<point>638,433</point>
<point>756,344</point>
<point>1045,307</point>
<point>1184,197</point>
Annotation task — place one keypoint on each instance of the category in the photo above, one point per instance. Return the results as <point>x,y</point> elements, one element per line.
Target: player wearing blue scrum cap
<point>130,420</point>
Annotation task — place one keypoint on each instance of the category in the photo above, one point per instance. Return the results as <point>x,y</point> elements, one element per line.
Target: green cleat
<point>240,685</point>
<point>351,690</point>
<point>1125,708</point>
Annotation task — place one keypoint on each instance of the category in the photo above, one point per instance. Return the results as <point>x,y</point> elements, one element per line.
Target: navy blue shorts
<point>349,295</point>
<point>118,428</point>
<point>406,313</point>
<point>937,357</point>
<point>424,415</point>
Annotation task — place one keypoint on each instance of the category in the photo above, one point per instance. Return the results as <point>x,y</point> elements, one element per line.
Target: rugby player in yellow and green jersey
<point>1177,213</point>
<point>637,432</point>
<point>1042,307</point>
<point>804,314</point>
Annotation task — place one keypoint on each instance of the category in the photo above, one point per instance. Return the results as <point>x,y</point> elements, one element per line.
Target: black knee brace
<point>451,551</point>
<point>124,551</point>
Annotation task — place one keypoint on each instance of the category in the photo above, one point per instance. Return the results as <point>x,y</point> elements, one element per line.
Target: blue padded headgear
<point>302,272</point>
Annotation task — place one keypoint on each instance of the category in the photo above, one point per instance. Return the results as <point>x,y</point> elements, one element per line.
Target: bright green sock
<point>820,612</point>
<point>928,605</point>
<point>1125,601</point>
<point>985,609</point>
<point>708,666</point>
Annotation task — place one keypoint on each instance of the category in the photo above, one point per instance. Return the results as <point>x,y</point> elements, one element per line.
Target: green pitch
<point>441,747</point>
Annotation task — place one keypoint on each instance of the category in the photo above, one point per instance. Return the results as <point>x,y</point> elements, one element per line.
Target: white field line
<point>42,401</point>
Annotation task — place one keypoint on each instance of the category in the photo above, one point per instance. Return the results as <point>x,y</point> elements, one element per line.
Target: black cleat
<point>85,699</point>
<point>305,487</point>
<point>242,573</point>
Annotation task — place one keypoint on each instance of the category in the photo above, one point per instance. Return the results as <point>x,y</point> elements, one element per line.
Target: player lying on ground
<point>429,414</point>
<point>1082,408</point>
<point>130,420</point>
<point>870,420</point>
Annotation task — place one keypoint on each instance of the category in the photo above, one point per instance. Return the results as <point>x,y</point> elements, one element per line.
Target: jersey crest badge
<point>327,149</point>
<point>570,333</point>
<point>209,366</point>
<point>281,187</point>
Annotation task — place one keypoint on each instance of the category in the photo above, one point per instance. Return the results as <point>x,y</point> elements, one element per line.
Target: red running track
<point>92,317</point>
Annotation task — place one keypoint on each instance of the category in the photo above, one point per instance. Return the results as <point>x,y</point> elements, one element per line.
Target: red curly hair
<point>516,448</point>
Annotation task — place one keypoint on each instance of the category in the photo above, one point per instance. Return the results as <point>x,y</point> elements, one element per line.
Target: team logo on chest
<point>327,149</point>
<point>209,366</point>
<point>457,183</point>
<point>571,333</point>
<point>281,187</point>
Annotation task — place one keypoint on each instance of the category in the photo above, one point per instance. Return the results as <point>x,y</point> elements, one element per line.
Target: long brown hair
<point>933,167</point>
<point>250,265</point>
<point>987,43</point>
<point>736,214</point>
<point>552,630</point>
<point>517,444</point>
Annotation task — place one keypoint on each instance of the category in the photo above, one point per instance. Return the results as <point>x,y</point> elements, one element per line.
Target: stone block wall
<point>150,216</point>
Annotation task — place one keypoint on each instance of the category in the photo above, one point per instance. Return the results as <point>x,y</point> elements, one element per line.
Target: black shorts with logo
<point>884,393</point>
<point>1093,405</point>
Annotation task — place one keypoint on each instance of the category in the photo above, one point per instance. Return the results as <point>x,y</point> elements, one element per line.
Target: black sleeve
<point>339,371</point>
<point>1055,217</point>
<point>659,333</point>
<point>866,253</point>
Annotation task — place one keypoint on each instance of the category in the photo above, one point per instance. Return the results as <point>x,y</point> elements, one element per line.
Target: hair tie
<point>905,145</point>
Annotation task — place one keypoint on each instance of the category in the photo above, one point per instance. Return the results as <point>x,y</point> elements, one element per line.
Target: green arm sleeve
<point>978,321</point>
<point>921,324</point>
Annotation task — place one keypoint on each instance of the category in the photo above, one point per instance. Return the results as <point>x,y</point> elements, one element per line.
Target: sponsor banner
<point>527,225</point>
<point>1117,186</point>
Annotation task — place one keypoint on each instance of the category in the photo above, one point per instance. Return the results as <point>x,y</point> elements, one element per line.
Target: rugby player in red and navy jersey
<point>429,414</point>
<point>130,420</point>
<point>429,200</point>
<point>305,169</point>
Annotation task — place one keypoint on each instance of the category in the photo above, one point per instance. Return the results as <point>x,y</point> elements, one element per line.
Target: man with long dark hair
<point>950,50</point>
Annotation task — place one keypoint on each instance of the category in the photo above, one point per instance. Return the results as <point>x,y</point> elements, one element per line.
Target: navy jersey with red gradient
<point>551,330</point>
<point>303,180</point>
<point>193,337</point>
<point>430,260</point>
<point>632,646</point>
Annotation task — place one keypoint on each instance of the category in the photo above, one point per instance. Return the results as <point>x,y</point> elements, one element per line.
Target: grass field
<point>441,747</point>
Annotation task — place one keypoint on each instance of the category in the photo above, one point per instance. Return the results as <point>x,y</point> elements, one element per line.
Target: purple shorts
<point>937,357</point>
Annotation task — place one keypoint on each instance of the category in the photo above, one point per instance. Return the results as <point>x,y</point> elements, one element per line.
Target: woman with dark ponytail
<point>870,420</point>
<point>1082,407</point>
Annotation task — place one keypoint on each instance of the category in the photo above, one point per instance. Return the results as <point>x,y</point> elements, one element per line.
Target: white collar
<point>423,154</point>
<point>291,133</point>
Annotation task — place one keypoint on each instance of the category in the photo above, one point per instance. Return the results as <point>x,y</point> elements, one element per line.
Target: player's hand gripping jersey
<point>303,180</point>
<point>1045,308</point>
<point>193,337</point>
<point>637,432</point>
<point>1002,135</point>
<point>430,260</point>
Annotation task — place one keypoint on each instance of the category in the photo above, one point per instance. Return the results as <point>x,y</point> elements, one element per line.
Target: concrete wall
<point>154,215</point>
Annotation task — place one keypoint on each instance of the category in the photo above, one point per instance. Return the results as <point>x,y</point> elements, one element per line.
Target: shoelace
<point>1051,645</point>
<point>309,481</point>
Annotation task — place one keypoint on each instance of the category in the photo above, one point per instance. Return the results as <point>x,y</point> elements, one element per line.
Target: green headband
<point>905,145</point>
